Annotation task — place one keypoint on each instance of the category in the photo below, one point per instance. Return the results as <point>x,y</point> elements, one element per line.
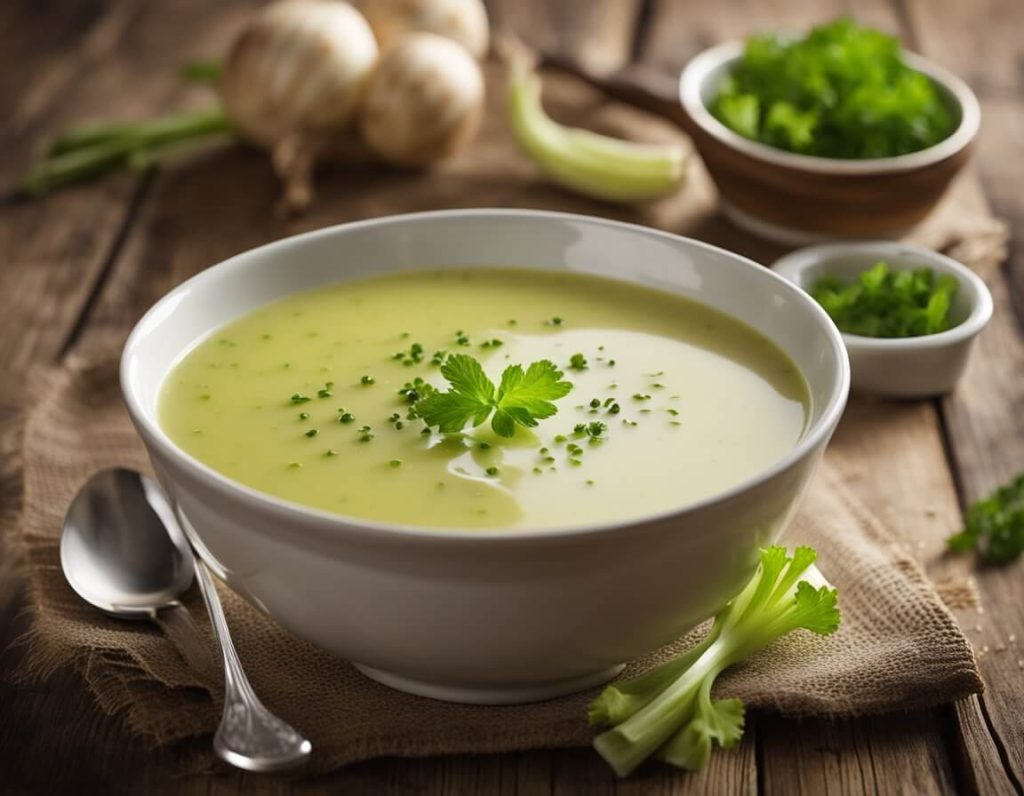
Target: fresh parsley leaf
<point>995,525</point>
<point>523,397</point>
<point>532,392</point>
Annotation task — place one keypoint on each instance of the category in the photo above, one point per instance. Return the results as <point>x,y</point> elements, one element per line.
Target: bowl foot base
<point>484,695</point>
<point>792,236</point>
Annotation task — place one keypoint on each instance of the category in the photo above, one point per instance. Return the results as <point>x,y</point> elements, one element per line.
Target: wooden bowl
<point>797,199</point>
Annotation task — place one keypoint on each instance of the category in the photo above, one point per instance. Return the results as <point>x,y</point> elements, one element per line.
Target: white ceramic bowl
<point>485,616</point>
<point>908,367</point>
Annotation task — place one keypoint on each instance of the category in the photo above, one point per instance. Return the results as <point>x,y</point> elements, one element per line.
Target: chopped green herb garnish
<point>324,393</point>
<point>492,471</point>
<point>484,445</point>
<point>410,357</point>
<point>395,463</point>
<point>522,398</point>
<point>560,438</point>
<point>312,432</point>
<point>596,429</point>
<point>331,452</point>
<point>595,403</point>
<point>673,412</point>
<point>495,343</point>
<point>415,389</point>
<point>346,417</point>
<point>577,362</point>
<point>299,398</point>
<point>885,303</point>
<point>841,91</point>
<point>670,711</point>
<point>556,321</point>
<point>303,415</point>
<point>294,465</point>
<point>995,525</point>
<point>367,380</point>
<point>641,397</point>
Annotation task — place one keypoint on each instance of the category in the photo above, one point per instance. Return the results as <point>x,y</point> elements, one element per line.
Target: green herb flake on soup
<point>486,398</point>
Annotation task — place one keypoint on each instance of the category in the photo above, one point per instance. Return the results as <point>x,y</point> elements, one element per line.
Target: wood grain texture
<point>985,436</point>
<point>105,57</point>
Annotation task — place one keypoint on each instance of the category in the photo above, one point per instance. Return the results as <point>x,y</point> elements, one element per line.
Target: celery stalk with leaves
<point>669,712</point>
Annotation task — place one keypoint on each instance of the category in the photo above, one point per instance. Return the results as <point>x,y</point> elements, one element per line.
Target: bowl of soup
<point>280,395</point>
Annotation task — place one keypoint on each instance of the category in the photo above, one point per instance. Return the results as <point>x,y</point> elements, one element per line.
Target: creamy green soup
<point>671,401</point>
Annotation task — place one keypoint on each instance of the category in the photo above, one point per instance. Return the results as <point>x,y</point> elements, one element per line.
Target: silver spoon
<point>123,551</point>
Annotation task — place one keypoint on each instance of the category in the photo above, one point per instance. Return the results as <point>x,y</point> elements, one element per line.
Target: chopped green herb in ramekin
<point>886,303</point>
<point>841,91</point>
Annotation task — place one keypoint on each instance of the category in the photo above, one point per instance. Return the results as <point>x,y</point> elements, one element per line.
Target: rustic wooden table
<point>79,267</point>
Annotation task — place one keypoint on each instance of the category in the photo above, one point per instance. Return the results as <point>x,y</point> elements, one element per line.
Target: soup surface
<point>671,401</point>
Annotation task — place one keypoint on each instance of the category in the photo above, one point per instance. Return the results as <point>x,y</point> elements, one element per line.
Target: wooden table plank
<point>984,418</point>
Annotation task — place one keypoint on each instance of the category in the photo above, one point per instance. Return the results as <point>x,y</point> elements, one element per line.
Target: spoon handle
<point>249,736</point>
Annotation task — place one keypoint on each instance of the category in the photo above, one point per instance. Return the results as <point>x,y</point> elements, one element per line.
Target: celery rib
<point>584,161</point>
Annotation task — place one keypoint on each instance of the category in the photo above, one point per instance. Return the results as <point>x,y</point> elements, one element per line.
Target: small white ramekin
<point>907,367</point>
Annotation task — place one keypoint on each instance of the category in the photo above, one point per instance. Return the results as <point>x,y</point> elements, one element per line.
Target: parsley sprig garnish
<point>995,525</point>
<point>523,397</point>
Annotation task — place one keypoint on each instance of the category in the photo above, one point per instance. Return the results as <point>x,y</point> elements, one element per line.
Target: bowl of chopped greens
<point>908,316</point>
<point>835,133</point>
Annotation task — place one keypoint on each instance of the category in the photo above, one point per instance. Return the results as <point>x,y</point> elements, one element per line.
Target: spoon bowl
<point>121,549</point>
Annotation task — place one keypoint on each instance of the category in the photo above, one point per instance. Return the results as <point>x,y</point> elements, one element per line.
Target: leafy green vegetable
<point>841,91</point>
<point>995,525</point>
<point>523,397</point>
<point>669,712</point>
<point>885,303</point>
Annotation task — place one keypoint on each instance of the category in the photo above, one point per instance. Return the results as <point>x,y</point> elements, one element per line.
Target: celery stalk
<point>586,162</point>
<point>669,712</point>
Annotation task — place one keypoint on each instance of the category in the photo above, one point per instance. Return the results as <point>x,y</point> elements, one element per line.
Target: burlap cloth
<point>898,647</point>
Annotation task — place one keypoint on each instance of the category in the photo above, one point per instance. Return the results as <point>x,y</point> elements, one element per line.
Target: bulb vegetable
<point>669,712</point>
<point>424,101</point>
<point>462,21</point>
<point>292,81</point>
<point>586,162</point>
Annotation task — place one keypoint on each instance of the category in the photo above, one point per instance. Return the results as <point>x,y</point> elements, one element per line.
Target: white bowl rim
<point>697,70</point>
<point>792,265</point>
<point>291,511</point>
